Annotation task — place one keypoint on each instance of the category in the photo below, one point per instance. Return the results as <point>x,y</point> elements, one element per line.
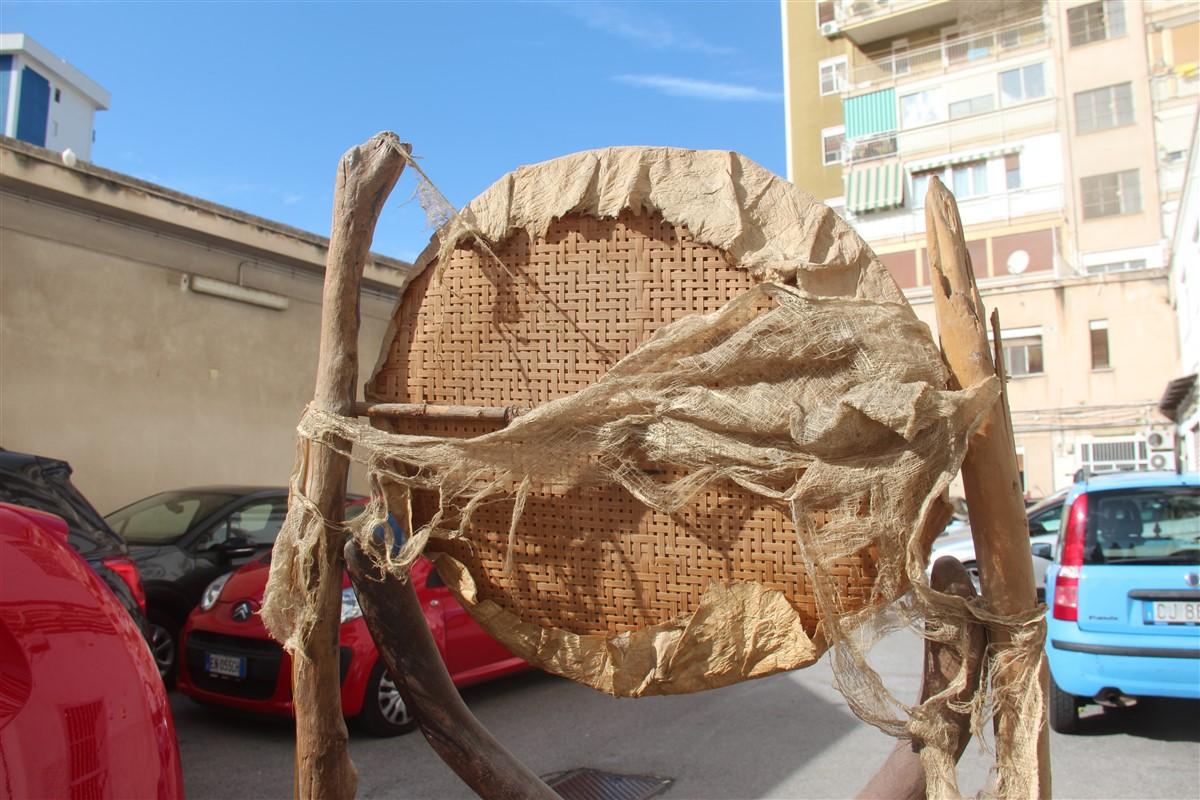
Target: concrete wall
<point>105,361</point>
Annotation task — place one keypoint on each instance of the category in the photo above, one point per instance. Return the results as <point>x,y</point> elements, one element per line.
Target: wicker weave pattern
<point>591,560</point>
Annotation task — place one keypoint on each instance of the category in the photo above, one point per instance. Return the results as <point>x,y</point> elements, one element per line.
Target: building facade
<point>44,100</point>
<point>156,340</point>
<point>1059,127</point>
<point>1180,400</point>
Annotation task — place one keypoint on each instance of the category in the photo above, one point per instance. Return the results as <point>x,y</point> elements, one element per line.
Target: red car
<point>83,712</point>
<point>229,658</point>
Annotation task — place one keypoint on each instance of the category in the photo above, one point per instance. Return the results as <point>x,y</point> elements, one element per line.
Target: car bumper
<point>1084,663</point>
<point>267,686</point>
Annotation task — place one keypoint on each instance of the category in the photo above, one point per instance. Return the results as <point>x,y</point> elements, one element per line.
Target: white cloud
<point>704,90</point>
<point>290,199</point>
<point>643,28</point>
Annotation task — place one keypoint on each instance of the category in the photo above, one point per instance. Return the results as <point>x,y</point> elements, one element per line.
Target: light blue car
<point>1124,593</point>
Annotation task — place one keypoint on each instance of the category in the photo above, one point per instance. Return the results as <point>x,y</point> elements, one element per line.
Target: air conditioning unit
<point>1162,460</point>
<point>830,28</point>
<point>1161,440</point>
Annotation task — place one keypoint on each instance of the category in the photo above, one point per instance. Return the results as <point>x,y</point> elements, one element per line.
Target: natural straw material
<point>695,498</point>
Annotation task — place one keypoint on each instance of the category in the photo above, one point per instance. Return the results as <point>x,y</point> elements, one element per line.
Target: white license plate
<point>226,666</point>
<point>1171,612</point>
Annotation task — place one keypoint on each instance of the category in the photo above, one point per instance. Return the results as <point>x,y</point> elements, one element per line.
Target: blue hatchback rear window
<point>1143,526</point>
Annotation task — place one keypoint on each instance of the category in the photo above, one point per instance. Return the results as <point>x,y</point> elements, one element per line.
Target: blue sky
<point>251,104</point>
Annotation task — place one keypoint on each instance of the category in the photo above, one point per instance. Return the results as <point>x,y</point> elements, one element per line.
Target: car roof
<point>11,459</point>
<point>1132,480</point>
<point>229,489</point>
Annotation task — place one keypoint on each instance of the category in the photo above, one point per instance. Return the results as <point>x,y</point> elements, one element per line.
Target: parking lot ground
<point>787,736</point>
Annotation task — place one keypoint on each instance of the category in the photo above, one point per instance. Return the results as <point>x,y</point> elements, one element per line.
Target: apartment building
<point>44,100</point>
<point>1062,129</point>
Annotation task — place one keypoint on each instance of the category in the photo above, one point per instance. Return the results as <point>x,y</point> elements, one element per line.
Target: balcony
<point>950,54</point>
<point>947,136</point>
<point>866,21</point>
<point>909,222</point>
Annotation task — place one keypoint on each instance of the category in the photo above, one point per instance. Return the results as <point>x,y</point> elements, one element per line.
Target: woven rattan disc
<point>593,560</point>
<point>648,258</point>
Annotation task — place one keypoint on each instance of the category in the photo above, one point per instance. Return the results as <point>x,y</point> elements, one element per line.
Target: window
<point>1116,266</point>
<point>1012,171</point>
<point>1021,84</point>
<point>259,522</point>
<point>1022,355</point>
<point>1111,194</point>
<point>833,75</point>
<point>920,185</point>
<point>58,95</point>
<point>975,105</point>
<point>832,140</point>
<point>1133,527</point>
<point>1096,21</point>
<point>1099,332</point>
<point>922,108</point>
<point>969,180</point>
<point>160,518</point>
<point>825,12</point>
<point>1103,108</point>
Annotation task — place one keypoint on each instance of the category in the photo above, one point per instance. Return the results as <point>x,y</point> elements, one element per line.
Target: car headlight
<point>350,608</point>
<point>213,591</point>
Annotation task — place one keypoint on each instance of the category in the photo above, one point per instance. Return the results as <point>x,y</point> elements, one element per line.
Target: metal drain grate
<point>592,784</point>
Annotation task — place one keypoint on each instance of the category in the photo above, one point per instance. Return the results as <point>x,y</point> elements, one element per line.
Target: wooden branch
<point>397,624</point>
<point>427,410</point>
<point>994,498</point>
<point>902,776</point>
<point>366,175</point>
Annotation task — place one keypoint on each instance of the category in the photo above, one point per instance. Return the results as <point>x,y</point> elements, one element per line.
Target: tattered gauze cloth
<point>833,397</point>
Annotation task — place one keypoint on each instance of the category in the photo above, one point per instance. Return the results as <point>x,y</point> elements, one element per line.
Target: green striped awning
<point>874,188</point>
<point>870,114</point>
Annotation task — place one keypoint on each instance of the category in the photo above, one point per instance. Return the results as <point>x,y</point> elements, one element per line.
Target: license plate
<point>1171,612</point>
<point>225,666</point>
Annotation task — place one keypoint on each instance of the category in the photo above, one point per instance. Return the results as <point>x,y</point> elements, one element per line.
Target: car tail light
<point>126,570</point>
<point>1066,585</point>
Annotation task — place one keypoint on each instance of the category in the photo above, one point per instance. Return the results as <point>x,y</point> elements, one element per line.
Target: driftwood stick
<point>397,624</point>
<point>994,498</point>
<point>432,411</point>
<point>366,175</point>
<point>902,776</point>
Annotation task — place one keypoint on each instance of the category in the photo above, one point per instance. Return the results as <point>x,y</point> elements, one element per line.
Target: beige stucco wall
<point>1143,353</point>
<point>105,361</point>
<point>808,111</point>
<point>1091,66</point>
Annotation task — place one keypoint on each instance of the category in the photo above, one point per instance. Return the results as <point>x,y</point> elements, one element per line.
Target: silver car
<point>1044,518</point>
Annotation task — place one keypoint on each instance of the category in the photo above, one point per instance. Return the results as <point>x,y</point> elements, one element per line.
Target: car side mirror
<point>236,547</point>
<point>1037,529</point>
<point>1043,550</point>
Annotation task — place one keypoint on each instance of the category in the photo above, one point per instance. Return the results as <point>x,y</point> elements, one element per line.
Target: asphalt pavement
<point>787,736</point>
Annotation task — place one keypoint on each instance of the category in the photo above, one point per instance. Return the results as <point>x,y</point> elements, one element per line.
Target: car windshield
<point>1143,526</point>
<point>162,518</point>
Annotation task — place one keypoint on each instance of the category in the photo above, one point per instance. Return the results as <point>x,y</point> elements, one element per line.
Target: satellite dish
<point>1018,262</point>
<point>69,158</point>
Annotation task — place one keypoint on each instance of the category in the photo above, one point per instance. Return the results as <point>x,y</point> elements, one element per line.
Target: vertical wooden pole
<point>366,175</point>
<point>902,776</point>
<point>995,501</point>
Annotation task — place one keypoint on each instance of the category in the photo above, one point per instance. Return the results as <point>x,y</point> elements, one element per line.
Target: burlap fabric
<point>816,389</point>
